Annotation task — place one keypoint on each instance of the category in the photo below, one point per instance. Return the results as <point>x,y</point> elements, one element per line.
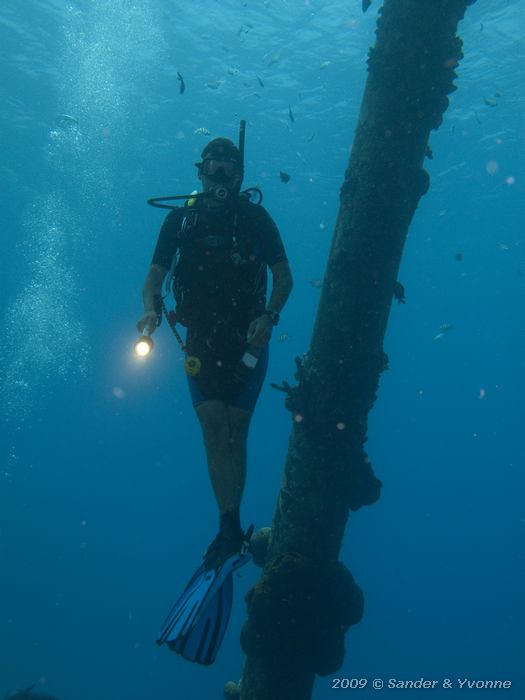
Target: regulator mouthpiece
<point>220,192</point>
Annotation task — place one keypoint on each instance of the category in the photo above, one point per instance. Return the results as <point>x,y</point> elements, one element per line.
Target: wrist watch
<point>273,315</point>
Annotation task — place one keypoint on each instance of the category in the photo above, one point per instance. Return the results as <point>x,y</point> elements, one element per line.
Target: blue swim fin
<point>186,610</point>
<point>202,643</point>
<point>196,624</point>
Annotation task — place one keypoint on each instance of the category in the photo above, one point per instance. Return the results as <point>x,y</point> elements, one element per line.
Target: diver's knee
<point>239,421</point>
<point>214,421</point>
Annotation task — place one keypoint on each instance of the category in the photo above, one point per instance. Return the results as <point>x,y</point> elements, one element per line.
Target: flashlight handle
<point>147,331</point>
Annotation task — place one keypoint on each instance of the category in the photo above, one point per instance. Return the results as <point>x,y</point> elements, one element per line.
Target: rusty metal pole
<point>300,609</point>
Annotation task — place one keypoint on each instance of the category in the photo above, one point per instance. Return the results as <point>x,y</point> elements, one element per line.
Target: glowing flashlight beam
<point>143,346</point>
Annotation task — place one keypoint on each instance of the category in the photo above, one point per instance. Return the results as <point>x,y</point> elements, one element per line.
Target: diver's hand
<point>148,322</point>
<point>260,331</point>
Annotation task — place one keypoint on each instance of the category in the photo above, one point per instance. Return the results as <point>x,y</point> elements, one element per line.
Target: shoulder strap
<point>180,226</point>
<point>188,222</point>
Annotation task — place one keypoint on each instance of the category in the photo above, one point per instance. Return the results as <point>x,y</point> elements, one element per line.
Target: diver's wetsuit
<point>220,285</point>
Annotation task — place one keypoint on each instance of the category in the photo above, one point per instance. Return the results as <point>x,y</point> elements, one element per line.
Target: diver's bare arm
<point>153,288</point>
<point>281,286</point>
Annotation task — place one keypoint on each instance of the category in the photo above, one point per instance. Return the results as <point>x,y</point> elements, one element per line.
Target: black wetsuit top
<point>220,279</point>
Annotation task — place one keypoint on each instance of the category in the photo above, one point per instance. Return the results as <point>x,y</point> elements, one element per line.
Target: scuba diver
<point>215,251</point>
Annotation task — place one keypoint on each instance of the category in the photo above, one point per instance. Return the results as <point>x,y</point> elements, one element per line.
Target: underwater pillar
<point>305,600</point>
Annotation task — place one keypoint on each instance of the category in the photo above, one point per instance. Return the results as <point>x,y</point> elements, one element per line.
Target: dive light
<point>144,345</point>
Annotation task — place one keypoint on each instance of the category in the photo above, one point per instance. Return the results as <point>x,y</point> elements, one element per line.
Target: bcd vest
<point>219,274</point>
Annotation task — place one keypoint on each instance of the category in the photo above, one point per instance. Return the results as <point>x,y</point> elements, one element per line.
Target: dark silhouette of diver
<point>217,249</point>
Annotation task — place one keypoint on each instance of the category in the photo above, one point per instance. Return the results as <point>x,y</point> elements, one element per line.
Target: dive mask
<point>217,167</point>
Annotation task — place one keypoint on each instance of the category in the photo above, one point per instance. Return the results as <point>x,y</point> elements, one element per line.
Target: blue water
<point>105,504</point>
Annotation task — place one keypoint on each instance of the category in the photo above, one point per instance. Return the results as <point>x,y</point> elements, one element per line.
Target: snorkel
<point>242,138</point>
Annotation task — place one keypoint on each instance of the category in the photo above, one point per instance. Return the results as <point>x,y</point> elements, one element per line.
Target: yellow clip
<point>191,202</point>
<point>192,366</point>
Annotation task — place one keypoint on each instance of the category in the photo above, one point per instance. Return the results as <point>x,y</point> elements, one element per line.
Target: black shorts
<point>219,354</point>
<point>238,395</point>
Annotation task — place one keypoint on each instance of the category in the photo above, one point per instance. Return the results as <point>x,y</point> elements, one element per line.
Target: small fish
<point>283,337</point>
<point>66,121</point>
<point>28,694</point>
<point>301,158</point>
<point>182,83</point>
<point>317,284</point>
<point>284,176</point>
<point>444,327</point>
<point>214,84</point>
<point>311,137</point>
<point>325,64</point>
<point>203,131</point>
<point>443,212</point>
<point>399,293</point>
<point>438,336</point>
<point>259,81</point>
<point>232,70</point>
<point>290,114</point>
<point>490,101</point>
<point>365,4</point>
<point>271,58</point>
<point>503,246</point>
<point>459,257</point>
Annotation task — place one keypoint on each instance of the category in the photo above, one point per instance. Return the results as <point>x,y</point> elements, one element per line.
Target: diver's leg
<point>239,422</point>
<point>225,429</point>
<point>225,433</point>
